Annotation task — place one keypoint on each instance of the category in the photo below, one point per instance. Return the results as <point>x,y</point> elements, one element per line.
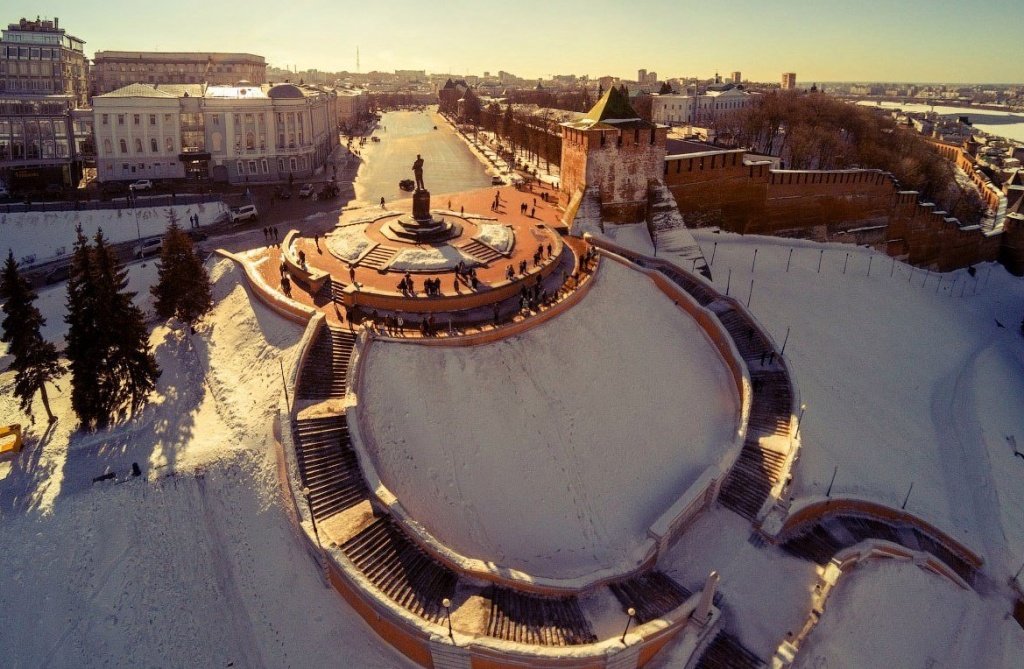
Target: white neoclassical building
<point>717,101</point>
<point>238,134</point>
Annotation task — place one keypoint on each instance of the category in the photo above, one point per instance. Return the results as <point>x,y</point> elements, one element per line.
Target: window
<point>138,145</point>
<point>292,164</point>
<point>167,118</point>
<point>264,166</point>
<point>252,167</point>
<point>280,165</point>
<point>169,144</point>
<point>250,141</point>
<point>238,119</point>
<point>106,119</point>
<point>240,167</point>
<point>138,118</point>
<point>106,147</point>
<point>120,119</point>
<point>152,119</point>
<point>153,145</point>
<point>124,146</point>
<point>216,119</point>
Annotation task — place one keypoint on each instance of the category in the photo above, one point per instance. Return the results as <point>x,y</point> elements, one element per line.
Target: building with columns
<point>234,134</point>
<point>702,109</point>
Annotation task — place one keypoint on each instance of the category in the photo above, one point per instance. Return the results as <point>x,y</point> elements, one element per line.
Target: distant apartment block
<point>43,79</point>
<point>235,134</point>
<point>788,81</point>
<point>737,77</point>
<point>116,69</point>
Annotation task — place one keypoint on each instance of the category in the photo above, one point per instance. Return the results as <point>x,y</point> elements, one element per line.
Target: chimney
<point>56,23</point>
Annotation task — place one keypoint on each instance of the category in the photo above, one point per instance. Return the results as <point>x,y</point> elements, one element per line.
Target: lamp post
<point>631,612</point>
<point>447,604</point>
<point>135,209</point>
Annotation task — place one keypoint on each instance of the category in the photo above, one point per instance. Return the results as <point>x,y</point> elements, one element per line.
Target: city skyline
<point>913,41</point>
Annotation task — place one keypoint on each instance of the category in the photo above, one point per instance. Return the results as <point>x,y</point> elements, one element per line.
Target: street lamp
<point>632,612</point>
<point>447,604</point>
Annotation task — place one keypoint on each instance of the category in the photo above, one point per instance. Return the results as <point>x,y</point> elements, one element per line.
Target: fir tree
<point>131,370</point>
<point>83,345</point>
<point>183,289</point>
<point>35,359</point>
<point>112,368</point>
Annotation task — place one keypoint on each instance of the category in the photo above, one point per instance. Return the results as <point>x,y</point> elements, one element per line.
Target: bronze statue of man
<point>417,170</point>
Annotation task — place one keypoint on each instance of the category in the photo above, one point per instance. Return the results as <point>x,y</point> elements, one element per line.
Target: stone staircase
<point>651,595</point>
<point>328,465</point>
<point>401,569</point>
<point>751,479</point>
<point>821,541</point>
<point>481,252</point>
<point>544,621</point>
<point>726,652</point>
<point>379,257</point>
<point>324,374</point>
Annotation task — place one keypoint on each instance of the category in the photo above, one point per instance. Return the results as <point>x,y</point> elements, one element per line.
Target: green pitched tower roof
<point>613,106</point>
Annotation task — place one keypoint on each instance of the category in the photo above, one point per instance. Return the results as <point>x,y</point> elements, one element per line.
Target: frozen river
<point>1005,124</point>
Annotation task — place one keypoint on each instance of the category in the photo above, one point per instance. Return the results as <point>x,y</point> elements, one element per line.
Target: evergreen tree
<point>112,368</point>
<point>82,338</point>
<point>183,289</point>
<point>666,89</point>
<point>35,359</point>
<point>131,370</point>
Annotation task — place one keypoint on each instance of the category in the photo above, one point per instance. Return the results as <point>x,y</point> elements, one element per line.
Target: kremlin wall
<point>614,156</point>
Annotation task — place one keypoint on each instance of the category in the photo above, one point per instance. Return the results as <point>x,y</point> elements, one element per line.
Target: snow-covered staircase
<point>324,374</point>
<point>651,595</point>
<point>544,621</point>
<point>401,569</point>
<point>328,465</point>
<point>726,652</point>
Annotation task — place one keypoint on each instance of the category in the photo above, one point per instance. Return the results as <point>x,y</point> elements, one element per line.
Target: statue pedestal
<point>422,228</point>
<point>421,205</point>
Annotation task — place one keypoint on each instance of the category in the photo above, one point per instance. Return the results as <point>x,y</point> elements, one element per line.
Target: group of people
<point>465,273</point>
<point>270,234</point>
<point>533,210</point>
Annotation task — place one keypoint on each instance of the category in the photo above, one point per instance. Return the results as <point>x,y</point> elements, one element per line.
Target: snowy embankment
<point>41,236</point>
<point>880,362</point>
<point>553,451</point>
<point>196,562</point>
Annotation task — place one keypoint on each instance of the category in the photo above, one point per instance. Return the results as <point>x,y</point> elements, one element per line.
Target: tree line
<point>107,352</point>
<point>812,131</point>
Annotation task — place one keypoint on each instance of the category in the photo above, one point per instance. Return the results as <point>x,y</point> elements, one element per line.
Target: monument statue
<point>417,170</point>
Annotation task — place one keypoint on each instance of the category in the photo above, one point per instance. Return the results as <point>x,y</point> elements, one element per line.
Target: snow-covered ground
<point>41,236</point>
<point>552,452</point>
<point>908,379</point>
<point>195,563</point>
<point>893,614</point>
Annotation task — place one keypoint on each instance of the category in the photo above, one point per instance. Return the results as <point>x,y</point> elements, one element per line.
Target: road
<point>449,166</point>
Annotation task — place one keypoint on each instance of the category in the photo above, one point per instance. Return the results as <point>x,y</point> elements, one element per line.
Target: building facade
<point>789,81</point>
<point>234,134</point>
<point>116,69</point>
<point>43,79</point>
<point>699,109</point>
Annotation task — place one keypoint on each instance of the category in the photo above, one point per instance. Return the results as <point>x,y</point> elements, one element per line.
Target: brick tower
<point>614,155</point>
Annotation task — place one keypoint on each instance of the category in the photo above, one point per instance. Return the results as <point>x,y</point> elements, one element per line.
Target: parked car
<point>306,190</point>
<point>407,184</point>
<point>149,247</point>
<point>247,212</point>
<point>497,181</point>
<point>282,193</point>
<point>57,274</point>
<point>141,185</point>
<point>329,190</point>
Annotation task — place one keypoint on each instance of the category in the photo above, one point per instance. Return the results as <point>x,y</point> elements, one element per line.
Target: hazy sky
<point>820,40</point>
